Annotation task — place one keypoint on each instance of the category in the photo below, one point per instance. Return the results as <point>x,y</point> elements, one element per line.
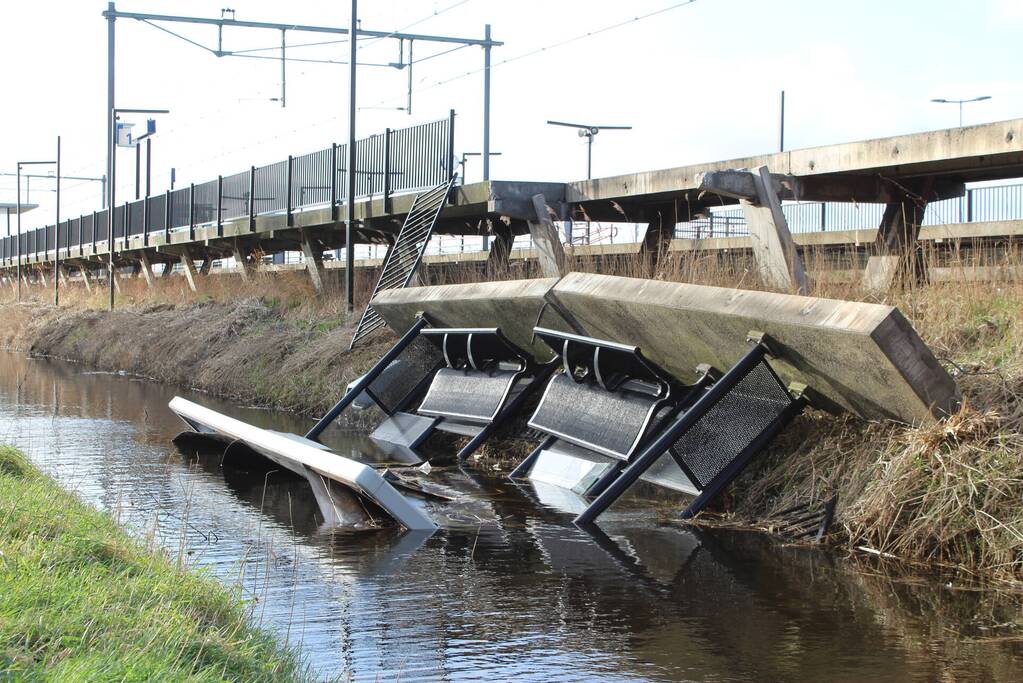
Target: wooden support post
<point>546,241</point>
<point>894,253</point>
<point>189,265</point>
<point>146,268</point>
<point>773,248</point>
<point>314,261</point>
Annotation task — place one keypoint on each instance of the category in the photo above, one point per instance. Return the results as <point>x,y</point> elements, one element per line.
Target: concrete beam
<point>984,152</point>
<point>776,255</point>
<point>189,267</point>
<point>313,257</point>
<point>146,267</point>
<point>894,255</point>
<point>546,241</point>
<point>86,278</point>
<point>241,254</point>
<point>860,357</point>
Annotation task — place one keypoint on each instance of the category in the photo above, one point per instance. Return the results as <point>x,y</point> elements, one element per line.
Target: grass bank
<point>82,601</point>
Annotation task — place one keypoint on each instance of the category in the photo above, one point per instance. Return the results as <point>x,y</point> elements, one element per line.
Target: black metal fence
<point>393,162</point>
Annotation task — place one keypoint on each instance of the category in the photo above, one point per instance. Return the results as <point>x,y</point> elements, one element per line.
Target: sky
<point>697,82</point>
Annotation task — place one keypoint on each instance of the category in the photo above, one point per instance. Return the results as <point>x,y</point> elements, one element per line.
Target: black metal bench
<point>609,401</point>
<point>460,380</point>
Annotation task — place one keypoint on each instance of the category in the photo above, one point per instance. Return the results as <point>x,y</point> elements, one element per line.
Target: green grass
<point>80,600</point>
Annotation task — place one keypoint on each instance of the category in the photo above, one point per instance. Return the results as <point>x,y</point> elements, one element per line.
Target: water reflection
<point>509,588</point>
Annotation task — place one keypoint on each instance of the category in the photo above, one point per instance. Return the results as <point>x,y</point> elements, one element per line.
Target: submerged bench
<point>465,381</point>
<point>613,417</point>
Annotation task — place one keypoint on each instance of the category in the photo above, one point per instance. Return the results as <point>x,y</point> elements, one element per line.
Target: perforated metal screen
<point>607,422</point>
<point>405,374</point>
<point>739,417</point>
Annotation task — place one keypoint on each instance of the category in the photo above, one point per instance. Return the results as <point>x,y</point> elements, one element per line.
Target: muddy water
<point>510,589</point>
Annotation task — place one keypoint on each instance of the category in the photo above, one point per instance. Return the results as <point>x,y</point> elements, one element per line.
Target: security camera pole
<point>588,132</point>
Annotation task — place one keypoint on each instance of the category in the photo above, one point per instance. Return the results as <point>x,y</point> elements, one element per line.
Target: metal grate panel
<point>413,365</point>
<point>468,394</point>
<point>586,415</point>
<point>738,418</point>
<point>405,254</point>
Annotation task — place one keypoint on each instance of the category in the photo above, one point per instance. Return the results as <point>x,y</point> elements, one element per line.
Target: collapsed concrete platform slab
<point>860,357</point>
<point>513,306</point>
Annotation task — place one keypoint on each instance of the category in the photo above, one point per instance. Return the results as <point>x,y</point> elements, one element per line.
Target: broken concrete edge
<point>858,357</point>
<point>360,478</point>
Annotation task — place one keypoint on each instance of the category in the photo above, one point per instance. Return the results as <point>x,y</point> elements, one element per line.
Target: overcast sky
<point>699,82</point>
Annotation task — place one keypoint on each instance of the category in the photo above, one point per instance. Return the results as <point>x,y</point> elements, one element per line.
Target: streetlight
<point>20,164</point>
<point>942,100</point>
<point>112,173</point>
<point>588,132</point>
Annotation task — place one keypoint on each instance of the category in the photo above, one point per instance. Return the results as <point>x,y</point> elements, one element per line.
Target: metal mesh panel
<point>467,393</point>
<point>310,179</point>
<point>179,208</point>
<point>136,217</point>
<point>157,213</point>
<point>205,203</point>
<point>409,369</point>
<point>271,188</point>
<point>100,225</point>
<point>585,414</point>
<point>234,202</point>
<point>738,418</point>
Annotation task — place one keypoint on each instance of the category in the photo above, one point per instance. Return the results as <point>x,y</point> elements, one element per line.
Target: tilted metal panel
<point>732,424</point>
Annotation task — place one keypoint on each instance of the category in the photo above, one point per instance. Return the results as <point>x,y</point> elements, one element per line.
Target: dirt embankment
<point>948,494</point>
<point>248,350</point>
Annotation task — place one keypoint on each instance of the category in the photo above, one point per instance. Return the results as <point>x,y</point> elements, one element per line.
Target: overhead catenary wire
<point>552,46</point>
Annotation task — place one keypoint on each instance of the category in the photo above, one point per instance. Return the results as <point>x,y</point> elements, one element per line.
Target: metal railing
<point>394,162</point>
<point>1002,202</point>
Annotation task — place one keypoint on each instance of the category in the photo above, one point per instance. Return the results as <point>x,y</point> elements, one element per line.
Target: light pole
<point>942,100</point>
<point>588,132</point>
<point>20,164</point>
<point>112,173</point>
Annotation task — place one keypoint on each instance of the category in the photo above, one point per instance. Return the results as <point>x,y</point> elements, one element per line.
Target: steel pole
<point>589,156</point>
<point>350,218</point>
<point>781,124</point>
<point>19,232</point>
<point>56,237</point>
<point>111,119</point>
<point>486,119</point>
<point>149,164</point>
<point>138,171</point>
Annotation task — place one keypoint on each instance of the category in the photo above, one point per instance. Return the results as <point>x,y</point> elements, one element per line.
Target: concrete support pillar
<point>241,254</point>
<point>314,261</point>
<point>62,274</point>
<point>660,231</point>
<point>500,248</point>
<point>894,254</point>
<point>546,241</point>
<point>168,269</point>
<point>147,268</point>
<point>41,274</point>
<point>207,264</point>
<point>189,266</point>
<point>775,252</point>
<point>86,278</point>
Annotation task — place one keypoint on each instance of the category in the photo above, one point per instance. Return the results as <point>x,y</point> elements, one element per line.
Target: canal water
<point>509,589</point>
